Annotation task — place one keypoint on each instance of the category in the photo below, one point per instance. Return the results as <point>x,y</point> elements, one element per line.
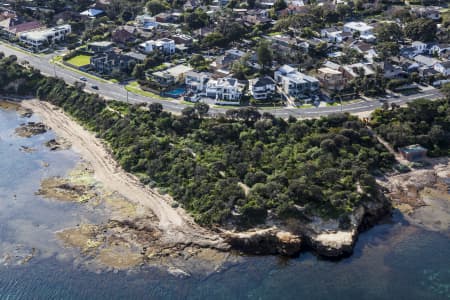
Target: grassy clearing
<point>57,60</point>
<point>80,60</point>
<point>134,87</point>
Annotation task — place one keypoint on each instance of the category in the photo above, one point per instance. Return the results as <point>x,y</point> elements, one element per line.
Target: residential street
<point>117,91</point>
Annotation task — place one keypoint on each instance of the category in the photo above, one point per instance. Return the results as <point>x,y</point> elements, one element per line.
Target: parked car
<point>83,78</point>
<point>94,87</point>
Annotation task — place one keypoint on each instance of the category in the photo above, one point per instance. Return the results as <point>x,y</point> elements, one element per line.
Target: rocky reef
<point>58,144</point>
<point>30,129</point>
<point>128,235</point>
<point>422,194</point>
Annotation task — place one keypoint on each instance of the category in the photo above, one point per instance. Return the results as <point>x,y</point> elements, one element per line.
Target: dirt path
<point>175,223</point>
<point>391,150</point>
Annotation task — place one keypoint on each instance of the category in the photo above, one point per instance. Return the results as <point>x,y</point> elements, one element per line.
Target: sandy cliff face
<point>325,237</point>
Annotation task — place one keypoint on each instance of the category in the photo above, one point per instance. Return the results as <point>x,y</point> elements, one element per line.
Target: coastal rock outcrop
<point>30,129</point>
<point>57,144</point>
<point>422,195</point>
<point>331,238</point>
<point>265,241</point>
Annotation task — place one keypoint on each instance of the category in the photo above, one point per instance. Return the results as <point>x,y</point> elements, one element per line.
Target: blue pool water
<point>176,92</point>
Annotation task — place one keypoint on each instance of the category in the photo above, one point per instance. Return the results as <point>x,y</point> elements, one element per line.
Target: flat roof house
<point>170,75</point>
<point>195,81</point>
<point>330,79</point>
<point>99,47</point>
<point>365,31</point>
<point>41,38</point>
<point>296,84</point>
<point>165,45</point>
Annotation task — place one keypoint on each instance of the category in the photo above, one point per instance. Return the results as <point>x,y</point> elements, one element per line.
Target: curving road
<point>117,91</point>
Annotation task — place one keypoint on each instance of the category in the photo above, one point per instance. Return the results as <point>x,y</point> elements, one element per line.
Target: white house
<point>332,35</point>
<point>296,84</point>
<point>195,81</point>
<point>261,88</point>
<point>439,49</point>
<point>365,31</point>
<point>419,47</point>
<point>443,67</point>
<point>165,45</point>
<point>40,38</point>
<point>225,90</point>
<point>92,13</point>
<point>146,22</point>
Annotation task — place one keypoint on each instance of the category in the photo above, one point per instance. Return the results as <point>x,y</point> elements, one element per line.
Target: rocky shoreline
<point>132,236</point>
<point>421,195</point>
<point>326,238</point>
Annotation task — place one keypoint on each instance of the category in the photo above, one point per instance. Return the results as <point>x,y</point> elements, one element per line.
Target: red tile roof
<point>24,27</point>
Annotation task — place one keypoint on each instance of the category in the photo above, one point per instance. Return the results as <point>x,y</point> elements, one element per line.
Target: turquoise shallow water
<point>391,261</point>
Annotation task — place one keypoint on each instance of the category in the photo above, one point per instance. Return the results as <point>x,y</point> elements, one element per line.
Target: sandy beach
<point>176,225</point>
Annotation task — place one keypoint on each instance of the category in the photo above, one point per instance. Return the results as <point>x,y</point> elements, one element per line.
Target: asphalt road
<point>117,91</point>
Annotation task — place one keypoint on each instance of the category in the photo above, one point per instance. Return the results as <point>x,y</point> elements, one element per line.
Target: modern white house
<point>165,45</point>
<point>195,81</point>
<point>225,90</point>
<point>146,22</point>
<point>333,35</point>
<point>261,88</point>
<point>296,84</point>
<point>41,38</point>
<point>419,47</point>
<point>365,31</point>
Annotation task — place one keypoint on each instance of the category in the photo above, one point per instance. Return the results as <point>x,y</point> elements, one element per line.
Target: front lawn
<point>80,60</point>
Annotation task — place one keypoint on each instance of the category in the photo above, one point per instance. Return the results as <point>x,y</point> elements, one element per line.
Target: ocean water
<point>393,260</point>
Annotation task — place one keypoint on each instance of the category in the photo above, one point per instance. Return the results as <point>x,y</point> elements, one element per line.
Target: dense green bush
<point>421,122</point>
<point>243,166</point>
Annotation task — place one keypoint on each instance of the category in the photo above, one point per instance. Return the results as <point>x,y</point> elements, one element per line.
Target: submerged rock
<point>58,144</point>
<point>178,273</point>
<point>64,190</point>
<point>30,129</point>
<point>27,149</point>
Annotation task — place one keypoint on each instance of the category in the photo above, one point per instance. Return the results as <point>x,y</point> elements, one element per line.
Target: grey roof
<point>136,55</point>
<point>263,81</point>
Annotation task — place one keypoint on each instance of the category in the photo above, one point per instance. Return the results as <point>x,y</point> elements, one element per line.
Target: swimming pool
<point>175,93</point>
